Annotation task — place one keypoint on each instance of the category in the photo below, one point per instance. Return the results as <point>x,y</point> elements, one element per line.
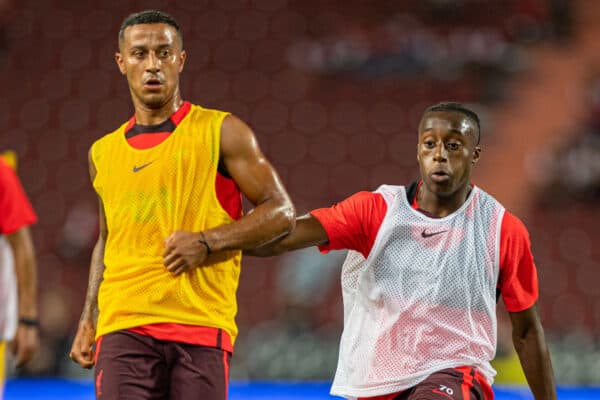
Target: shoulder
<point>8,175</point>
<point>359,206</point>
<point>217,124</point>
<point>237,138</point>
<point>367,198</point>
<point>354,222</point>
<point>4,167</point>
<point>485,197</point>
<point>208,115</point>
<point>6,172</point>
<point>390,192</point>
<point>107,139</point>
<point>12,189</point>
<point>233,125</point>
<point>513,228</point>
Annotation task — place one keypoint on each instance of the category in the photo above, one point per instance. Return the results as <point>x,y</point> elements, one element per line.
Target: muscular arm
<point>81,350</point>
<point>272,217</point>
<point>308,232</point>
<point>530,344</point>
<point>26,340</point>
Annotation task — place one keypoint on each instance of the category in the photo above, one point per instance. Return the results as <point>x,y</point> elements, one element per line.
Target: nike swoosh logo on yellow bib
<point>137,169</point>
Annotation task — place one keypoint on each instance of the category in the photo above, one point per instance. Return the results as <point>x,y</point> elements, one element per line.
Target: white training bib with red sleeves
<point>424,299</point>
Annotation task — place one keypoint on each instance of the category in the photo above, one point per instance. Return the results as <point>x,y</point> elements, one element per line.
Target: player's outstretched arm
<point>530,344</point>
<point>81,349</point>
<point>272,217</point>
<point>26,340</point>
<point>308,232</point>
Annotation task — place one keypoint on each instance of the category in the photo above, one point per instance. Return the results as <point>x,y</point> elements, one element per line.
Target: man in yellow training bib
<point>160,305</point>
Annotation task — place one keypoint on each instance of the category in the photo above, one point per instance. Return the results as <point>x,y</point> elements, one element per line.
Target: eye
<point>138,53</point>
<point>453,146</point>
<point>429,143</point>
<point>164,53</point>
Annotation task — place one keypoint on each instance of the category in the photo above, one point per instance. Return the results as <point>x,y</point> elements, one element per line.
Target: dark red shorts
<point>462,383</point>
<point>133,366</point>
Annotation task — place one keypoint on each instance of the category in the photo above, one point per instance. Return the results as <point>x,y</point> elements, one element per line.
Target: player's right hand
<point>82,351</point>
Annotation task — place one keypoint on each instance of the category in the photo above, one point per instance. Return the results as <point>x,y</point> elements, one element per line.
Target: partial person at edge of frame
<point>18,270</point>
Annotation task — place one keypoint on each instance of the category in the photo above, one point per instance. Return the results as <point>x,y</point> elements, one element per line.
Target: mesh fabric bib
<point>147,195</point>
<point>424,300</point>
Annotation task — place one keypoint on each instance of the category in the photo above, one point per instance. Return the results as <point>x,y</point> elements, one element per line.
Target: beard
<point>153,101</point>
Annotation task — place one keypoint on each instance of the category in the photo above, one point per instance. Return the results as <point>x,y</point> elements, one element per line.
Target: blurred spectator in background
<point>477,42</point>
<point>4,7</point>
<point>572,171</point>
<point>18,274</point>
<point>301,340</point>
<point>561,16</point>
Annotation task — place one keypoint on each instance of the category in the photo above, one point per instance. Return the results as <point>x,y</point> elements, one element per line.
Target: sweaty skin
<point>446,152</point>
<point>447,149</point>
<point>151,57</point>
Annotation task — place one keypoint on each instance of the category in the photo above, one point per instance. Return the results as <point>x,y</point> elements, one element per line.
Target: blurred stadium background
<point>333,90</point>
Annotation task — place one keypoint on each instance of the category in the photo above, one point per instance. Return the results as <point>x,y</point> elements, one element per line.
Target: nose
<point>440,154</point>
<point>152,62</point>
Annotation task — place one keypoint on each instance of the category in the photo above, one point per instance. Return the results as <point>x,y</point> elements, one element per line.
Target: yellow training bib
<point>147,195</point>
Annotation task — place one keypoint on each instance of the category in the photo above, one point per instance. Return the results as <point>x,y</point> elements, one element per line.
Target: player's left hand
<point>25,344</point>
<point>184,251</point>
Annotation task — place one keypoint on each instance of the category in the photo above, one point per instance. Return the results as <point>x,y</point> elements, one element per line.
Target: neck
<point>439,205</point>
<point>145,115</point>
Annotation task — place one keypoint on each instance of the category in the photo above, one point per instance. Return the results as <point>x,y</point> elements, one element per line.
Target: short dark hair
<point>149,17</point>
<point>453,106</point>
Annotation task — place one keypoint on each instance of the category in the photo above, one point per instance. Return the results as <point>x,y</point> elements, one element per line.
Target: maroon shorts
<point>462,383</point>
<point>133,366</point>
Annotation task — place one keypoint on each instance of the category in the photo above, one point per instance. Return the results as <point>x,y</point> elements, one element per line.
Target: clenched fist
<point>81,350</point>
<point>184,251</point>
<point>25,344</point>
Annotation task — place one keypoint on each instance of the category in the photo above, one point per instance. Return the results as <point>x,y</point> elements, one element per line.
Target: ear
<point>182,58</point>
<point>476,154</point>
<point>120,62</point>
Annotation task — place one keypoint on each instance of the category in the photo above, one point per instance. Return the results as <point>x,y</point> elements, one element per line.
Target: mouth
<point>440,176</point>
<point>153,84</point>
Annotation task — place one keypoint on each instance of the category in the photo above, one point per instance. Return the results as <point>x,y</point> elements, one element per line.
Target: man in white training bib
<point>426,265</point>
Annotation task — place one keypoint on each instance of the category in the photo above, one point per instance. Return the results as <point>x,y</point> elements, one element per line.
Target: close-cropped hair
<point>451,106</point>
<point>149,17</point>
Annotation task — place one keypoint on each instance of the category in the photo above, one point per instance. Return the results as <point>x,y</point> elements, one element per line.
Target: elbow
<point>282,223</point>
<point>520,336</point>
<point>282,218</point>
<point>288,218</point>
<point>533,333</point>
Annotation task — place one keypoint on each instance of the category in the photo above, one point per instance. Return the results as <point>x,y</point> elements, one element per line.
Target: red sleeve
<point>15,208</point>
<point>353,223</point>
<point>518,281</point>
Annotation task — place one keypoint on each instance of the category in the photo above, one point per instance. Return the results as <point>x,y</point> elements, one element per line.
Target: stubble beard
<point>151,101</point>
